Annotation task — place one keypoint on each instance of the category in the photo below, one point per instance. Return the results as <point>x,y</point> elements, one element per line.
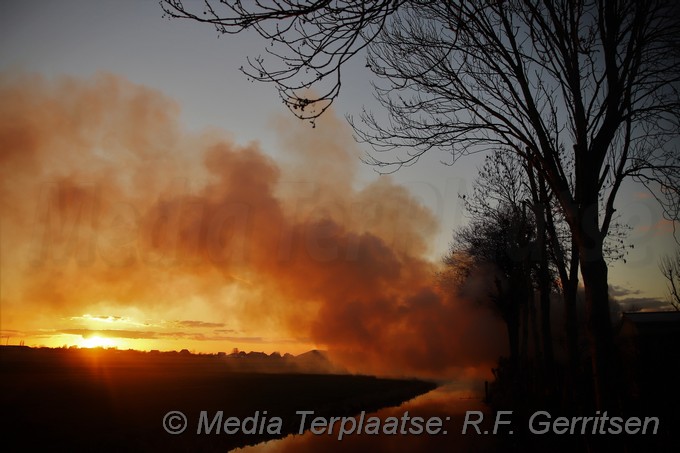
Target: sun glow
<point>97,342</point>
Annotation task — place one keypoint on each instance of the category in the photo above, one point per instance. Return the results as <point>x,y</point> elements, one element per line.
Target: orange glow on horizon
<point>163,345</point>
<point>97,342</point>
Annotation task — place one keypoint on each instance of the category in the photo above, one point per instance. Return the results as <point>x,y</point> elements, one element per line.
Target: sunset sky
<point>154,198</point>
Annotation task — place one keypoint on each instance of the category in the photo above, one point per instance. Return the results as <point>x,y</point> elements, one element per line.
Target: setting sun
<point>97,342</point>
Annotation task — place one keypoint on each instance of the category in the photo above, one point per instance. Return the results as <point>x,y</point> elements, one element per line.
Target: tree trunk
<point>512,321</point>
<point>569,279</point>
<point>571,323</point>
<point>598,320</point>
<point>511,317</point>
<point>544,289</point>
<point>584,222</point>
<point>541,208</point>
<point>525,322</point>
<point>538,375</point>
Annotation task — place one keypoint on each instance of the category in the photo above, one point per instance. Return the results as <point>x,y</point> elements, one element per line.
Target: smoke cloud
<point>109,204</point>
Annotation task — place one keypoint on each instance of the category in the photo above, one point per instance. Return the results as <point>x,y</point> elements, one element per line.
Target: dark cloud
<point>232,331</point>
<point>111,333</point>
<point>154,335</point>
<point>630,300</point>
<point>199,324</point>
<point>643,304</point>
<point>620,291</point>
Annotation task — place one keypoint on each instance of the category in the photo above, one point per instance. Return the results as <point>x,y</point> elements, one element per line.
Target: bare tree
<point>505,181</point>
<point>670,268</point>
<point>309,41</point>
<point>499,243</point>
<point>502,235</point>
<point>592,84</point>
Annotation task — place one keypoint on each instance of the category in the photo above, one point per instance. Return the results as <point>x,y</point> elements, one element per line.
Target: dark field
<point>106,400</point>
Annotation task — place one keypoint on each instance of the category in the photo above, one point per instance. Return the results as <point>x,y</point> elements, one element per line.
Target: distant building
<point>652,331</point>
<point>651,351</point>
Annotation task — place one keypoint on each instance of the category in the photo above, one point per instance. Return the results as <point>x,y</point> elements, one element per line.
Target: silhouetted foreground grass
<point>98,400</point>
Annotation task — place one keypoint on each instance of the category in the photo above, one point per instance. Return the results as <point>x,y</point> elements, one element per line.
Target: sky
<point>153,193</point>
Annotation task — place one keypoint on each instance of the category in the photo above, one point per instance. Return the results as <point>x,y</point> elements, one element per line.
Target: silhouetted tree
<point>591,83</point>
<point>309,41</point>
<point>501,189</point>
<point>670,268</point>
<point>498,244</point>
<point>506,182</point>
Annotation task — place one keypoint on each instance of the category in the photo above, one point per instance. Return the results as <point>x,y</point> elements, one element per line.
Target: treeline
<point>519,244</point>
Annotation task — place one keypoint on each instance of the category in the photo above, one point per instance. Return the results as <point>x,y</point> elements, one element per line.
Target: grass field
<point>101,400</point>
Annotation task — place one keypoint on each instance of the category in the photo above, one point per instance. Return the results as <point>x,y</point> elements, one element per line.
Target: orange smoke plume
<point>108,202</point>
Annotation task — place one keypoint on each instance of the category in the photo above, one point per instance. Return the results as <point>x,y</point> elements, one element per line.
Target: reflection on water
<point>451,400</point>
